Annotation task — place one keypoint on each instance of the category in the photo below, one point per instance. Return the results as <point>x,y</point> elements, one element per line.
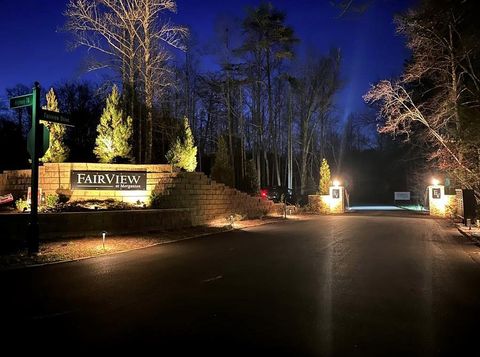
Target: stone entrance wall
<point>55,179</point>
<point>207,199</point>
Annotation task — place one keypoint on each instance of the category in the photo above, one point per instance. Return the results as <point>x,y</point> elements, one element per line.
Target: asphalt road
<point>361,285</point>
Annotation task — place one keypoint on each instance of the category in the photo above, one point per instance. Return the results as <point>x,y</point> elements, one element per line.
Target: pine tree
<point>222,170</point>
<point>183,153</point>
<point>114,132</point>
<point>250,182</point>
<point>57,151</point>
<point>324,183</point>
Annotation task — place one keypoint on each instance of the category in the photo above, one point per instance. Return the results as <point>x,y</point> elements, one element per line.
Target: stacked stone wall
<point>206,199</point>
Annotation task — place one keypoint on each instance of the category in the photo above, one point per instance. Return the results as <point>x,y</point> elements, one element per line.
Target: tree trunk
<point>148,89</point>
<point>230,126</point>
<point>454,95</point>
<point>259,170</point>
<point>304,156</point>
<point>242,136</point>
<point>290,146</point>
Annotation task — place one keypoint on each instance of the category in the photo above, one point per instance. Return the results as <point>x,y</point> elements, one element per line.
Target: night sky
<point>33,48</point>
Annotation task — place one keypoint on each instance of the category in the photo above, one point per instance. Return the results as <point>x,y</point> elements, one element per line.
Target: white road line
<point>218,277</point>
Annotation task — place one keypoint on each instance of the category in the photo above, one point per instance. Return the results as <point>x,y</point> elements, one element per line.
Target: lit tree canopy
<point>57,151</point>
<point>183,153</point>
<point>324,182</point>
<point>114,132</point>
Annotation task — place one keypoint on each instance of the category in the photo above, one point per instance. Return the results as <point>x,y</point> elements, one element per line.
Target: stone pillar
<point>337,199</point>
<point>437,200</point>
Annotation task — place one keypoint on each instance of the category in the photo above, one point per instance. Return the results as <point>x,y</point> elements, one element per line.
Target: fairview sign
<point>108,180</point>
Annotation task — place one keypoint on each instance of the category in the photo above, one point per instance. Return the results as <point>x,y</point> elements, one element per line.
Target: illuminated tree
<point>131,36</point>
<point>114,132</point>
<point>222,170</point>
<point>324,182</point>
<point>435,102</point>
<point>57,151</point>
<point>183,153</point>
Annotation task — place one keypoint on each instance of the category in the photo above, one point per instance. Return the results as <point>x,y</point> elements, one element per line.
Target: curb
<point>467,235</point>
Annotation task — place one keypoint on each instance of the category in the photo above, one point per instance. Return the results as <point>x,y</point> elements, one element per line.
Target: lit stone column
<point>337,199</point>
<point>437,200</point>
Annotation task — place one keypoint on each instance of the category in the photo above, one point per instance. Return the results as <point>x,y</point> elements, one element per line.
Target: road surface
<point>365,284</point>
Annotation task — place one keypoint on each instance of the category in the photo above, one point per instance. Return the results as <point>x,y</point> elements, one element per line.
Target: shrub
<point>153,200</point>
<point>52,200</point>
<point>22,205</point>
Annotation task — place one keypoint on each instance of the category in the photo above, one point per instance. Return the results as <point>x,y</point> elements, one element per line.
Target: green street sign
<point>21,101</point>
<point>37,145</point>
<point>44,145</point>
<point>55,117</point>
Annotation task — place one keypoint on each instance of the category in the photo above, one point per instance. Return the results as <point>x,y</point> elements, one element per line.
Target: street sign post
<point>21,101</point>
<point>55,117</point>
<point>35,138</point>
<point>37,144</point>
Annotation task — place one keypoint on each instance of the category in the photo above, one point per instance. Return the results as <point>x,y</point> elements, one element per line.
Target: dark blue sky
<point>33,49</point>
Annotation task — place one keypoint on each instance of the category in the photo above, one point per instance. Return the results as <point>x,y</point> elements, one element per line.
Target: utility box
<point>469,206</point>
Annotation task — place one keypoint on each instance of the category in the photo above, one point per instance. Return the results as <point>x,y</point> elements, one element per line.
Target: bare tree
<point>346,6</point>
<point>155,74</point>
<point>401,113</point>
<point>438,97</point>
<point>268,41</point>
<point>314,90</point>
<point>131,37</point>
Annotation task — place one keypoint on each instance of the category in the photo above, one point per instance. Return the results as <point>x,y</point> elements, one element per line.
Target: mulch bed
<point>80,248</point>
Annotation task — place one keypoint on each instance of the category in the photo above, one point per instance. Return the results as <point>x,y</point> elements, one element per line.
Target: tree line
<point>268,108</point>
<point>263,114</point>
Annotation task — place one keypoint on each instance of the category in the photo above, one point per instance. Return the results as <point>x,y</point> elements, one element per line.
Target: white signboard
<point>402,196</point>
<point>108,180</point>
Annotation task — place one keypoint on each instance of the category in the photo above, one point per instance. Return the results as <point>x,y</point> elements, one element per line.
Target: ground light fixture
<point>435,182</point>
<point>104,233</point>
<point>336,183</point>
